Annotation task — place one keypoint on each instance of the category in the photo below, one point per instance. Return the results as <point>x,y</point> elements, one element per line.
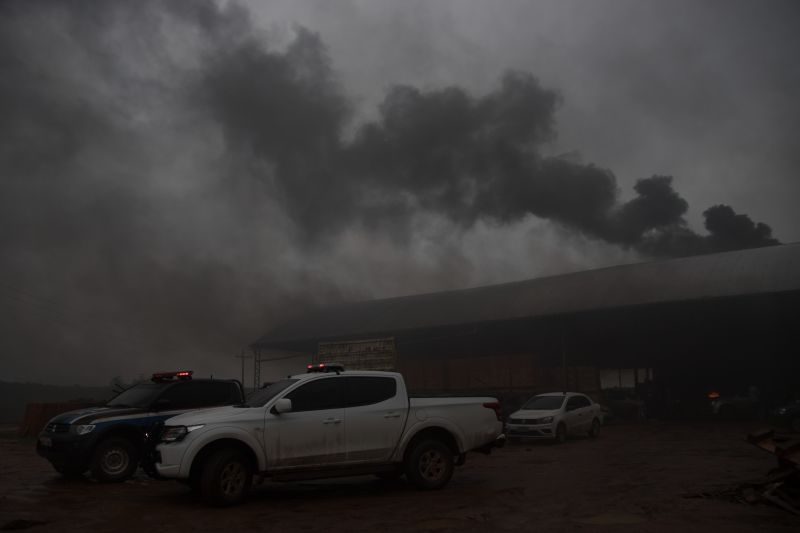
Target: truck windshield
<point>544,403</point>
<point>142,395</point>
<point>262,396</point>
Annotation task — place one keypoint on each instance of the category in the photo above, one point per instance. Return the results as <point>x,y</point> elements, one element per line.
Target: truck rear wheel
<point>114,460</point>
<point>226,478</point>
<point>429,465</point>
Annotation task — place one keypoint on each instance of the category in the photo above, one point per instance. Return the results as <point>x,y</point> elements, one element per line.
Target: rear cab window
<point>194,394</point>
<point>368,390</point>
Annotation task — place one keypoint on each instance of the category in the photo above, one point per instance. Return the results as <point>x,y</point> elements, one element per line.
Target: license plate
<point>46,442</point>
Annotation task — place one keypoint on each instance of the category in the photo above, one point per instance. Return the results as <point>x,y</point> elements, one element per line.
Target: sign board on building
<point>366,354</point>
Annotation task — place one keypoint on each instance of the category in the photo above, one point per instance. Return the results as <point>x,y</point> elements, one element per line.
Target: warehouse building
<point>725,321</point>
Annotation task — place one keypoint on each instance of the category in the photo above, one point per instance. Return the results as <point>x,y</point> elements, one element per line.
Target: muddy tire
<point>594,431</point>
<point>114,460</point>
<point>561,434</point>
<point>429,465</point>
<point>226,478</point>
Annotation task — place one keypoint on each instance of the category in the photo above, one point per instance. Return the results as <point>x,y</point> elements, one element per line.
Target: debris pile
<point>780,487</point>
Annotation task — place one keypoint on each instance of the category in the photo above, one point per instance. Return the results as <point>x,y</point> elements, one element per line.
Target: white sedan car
<point>554,416</point>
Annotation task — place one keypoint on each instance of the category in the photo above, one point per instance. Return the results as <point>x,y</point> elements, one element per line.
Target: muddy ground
<point>633,478</point>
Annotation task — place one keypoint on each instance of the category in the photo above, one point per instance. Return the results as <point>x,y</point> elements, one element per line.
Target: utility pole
<point>564,366</point>
<point>242,356</point>
<point>256,369</point>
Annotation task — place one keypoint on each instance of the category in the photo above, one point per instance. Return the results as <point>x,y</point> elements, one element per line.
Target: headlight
<point>84,429</point>
<point>177,433</point>
<point>546,420</point>
<point>782,411</point>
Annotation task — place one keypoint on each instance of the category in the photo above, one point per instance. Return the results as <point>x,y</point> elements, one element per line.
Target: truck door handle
<point>391,415</point>
<point>331,420</point>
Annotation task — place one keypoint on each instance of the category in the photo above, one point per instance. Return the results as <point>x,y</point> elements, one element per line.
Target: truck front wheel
<point>429,465</point>
<point>115,459</point>
<point>226,478</point>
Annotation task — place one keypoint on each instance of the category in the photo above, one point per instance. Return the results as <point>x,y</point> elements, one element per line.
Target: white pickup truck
<point>326,423</point>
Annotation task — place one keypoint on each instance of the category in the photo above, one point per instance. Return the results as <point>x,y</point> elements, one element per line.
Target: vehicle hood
<point>91,415</point>
<point>213,415</point>
<point>528,413</point>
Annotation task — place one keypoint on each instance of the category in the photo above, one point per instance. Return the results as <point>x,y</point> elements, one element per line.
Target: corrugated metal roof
<point>756,271</point>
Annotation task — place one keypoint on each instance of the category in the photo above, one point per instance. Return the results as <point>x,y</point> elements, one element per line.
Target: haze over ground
<point>175,177</point>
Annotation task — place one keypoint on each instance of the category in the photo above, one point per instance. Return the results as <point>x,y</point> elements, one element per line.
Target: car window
<point>366,390</point>
<point>141,395</point>
<point>190,395</point>
<point>544,403</point>
<point>178,396</point>
<point>577,402</point>
<point>209,394</point>
<point>574,403</point>
<point>262,396</point>
<point>318,395</point>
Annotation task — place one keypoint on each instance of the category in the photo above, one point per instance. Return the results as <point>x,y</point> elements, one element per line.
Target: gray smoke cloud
<point>173,182</point>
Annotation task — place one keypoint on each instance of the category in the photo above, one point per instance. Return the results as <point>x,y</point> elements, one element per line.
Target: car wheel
<point>70,471</point>
<point>594,431</point>
<point>114,460</point>
<point>561,433</point>
<point>429,465</point>
<point>226,478</point>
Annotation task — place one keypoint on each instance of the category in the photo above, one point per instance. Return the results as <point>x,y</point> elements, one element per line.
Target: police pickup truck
<point>109,441</point>
<point>326,423</point>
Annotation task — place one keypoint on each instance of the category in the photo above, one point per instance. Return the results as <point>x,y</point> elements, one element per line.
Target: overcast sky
<point>176,177</point>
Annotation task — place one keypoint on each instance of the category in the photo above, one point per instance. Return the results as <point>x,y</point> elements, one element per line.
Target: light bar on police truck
<point>322,367</point>
<point>178,374</point>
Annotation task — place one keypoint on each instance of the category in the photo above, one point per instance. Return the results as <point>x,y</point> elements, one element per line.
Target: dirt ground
<point>643,477</point>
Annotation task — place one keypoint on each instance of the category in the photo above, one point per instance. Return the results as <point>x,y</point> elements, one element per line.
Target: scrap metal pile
<point>781,485</point>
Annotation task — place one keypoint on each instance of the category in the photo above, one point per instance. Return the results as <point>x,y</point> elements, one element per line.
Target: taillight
<point>495,406</point>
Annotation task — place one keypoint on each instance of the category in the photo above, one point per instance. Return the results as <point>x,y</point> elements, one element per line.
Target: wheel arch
<point>222,443</point>
<point>433,432</point>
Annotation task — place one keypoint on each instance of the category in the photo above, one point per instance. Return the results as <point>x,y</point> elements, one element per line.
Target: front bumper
<point>525,431</point>
<point>168,459</point>
<point>65,449</point>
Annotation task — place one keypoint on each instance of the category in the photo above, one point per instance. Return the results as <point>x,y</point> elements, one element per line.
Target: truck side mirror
<point>284,405</point>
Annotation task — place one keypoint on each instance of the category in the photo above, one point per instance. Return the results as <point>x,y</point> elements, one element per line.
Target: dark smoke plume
<point>163,171</point>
